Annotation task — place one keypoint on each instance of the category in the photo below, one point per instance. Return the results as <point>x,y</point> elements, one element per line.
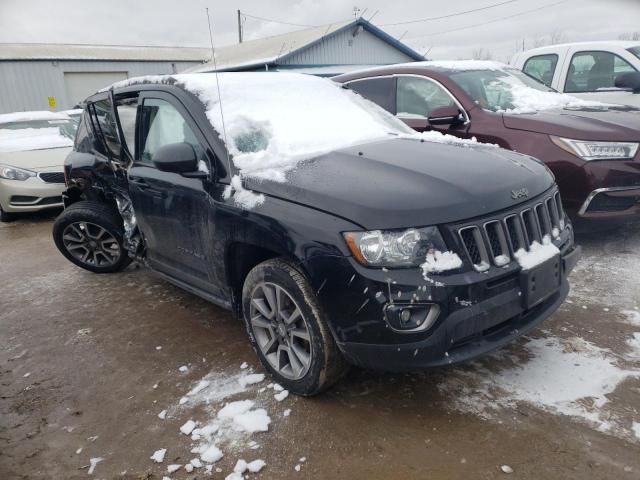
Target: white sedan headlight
<point>592,150</point>
<point>14,173</point>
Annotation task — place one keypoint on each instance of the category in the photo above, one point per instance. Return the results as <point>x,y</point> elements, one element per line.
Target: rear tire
<point>288,329</point>
<point>90,234</point>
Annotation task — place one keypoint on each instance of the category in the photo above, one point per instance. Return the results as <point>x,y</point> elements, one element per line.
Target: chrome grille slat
<point>500,238</point>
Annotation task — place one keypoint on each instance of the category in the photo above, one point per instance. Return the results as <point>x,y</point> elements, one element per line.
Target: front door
<point>172,210</point>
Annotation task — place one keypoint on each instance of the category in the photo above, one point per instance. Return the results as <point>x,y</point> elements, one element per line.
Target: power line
<point>270,20</point>
<point>490,21</point>
<point>449,15</point>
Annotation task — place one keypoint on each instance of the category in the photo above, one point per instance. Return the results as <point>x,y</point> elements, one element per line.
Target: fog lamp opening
<point>412,317</point>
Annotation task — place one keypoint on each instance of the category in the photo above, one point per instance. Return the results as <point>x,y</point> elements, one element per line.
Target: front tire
<point>6,216</point>
<point>90,235</point>
<point>288,329</point>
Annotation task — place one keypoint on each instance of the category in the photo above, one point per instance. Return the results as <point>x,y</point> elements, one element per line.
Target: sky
<point>499,29</point>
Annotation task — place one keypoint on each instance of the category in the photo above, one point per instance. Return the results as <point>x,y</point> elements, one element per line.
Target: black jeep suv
<point>339,235</point>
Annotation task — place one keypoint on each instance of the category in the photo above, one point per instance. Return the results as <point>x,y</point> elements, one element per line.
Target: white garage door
<point>80,85</point>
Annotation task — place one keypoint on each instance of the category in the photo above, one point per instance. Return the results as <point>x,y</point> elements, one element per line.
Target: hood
<point>404,182</point>
<point>581,124</point>
<point>36,160</point>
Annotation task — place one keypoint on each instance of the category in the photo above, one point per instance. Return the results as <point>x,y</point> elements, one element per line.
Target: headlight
<point>394,248</point>
<point>13,173</point>
<point>588,150</point>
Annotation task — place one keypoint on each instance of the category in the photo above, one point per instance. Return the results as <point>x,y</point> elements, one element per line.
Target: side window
<point>541,67</point>
<point>105,125</point>
<point>162,125</point>
<point>418,96</point>
<point>126,108</point>
<point>378,90</point>
<point>591,71</point>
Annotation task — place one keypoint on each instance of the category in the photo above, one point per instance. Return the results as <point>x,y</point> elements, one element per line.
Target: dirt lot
<point>87,362</point>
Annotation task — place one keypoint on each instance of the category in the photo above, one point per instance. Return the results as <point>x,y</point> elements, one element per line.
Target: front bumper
<point>30,195</point>
<point>479,311</point>
<point>612,202</point>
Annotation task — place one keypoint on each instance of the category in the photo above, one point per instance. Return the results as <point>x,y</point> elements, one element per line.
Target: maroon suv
<point>591,148</point>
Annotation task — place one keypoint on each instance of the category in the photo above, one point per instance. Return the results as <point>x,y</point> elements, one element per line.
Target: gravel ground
<point>87,362</point>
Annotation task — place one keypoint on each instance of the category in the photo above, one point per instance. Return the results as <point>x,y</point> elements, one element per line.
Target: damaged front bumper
<point>477,312</point>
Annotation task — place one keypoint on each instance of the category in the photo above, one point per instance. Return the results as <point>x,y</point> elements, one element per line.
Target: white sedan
<point>33,147</point>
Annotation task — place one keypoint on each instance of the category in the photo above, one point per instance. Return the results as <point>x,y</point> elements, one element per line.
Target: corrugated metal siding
<point>343,48</point>
<point>25,85</point>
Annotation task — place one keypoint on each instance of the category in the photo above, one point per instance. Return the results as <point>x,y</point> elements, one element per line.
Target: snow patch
<point>92,464</point>
<point>437,261</point>
<point>13,140</point>
<point>251,379</point>
<point>538,253</point>
<point>282,395</point>
<point>566,377</point>
<point>253,421</point>
<point>158,455</point>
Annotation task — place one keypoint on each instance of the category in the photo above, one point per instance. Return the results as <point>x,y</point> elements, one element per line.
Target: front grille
<point>52,177</point>
<point>494,241</point>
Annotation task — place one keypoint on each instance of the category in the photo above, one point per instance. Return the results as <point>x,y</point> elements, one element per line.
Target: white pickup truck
<point>601,71</point>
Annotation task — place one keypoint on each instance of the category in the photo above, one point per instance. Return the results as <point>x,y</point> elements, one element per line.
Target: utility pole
<point>239,27</point>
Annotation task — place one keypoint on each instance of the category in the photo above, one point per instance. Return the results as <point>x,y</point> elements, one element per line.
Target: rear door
<point>172,210</point>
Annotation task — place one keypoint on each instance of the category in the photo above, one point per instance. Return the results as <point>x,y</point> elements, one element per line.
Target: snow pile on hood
<point>437,137</point>
<point>13,140</point>
<point>273,121</point>
<point>529,100</point>
<point>31,116</point>
<point>538,253</point>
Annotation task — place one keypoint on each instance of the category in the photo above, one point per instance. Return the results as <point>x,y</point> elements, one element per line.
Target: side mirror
<point>630,81</point>
<point>449,115</point>
<point>176,158</point>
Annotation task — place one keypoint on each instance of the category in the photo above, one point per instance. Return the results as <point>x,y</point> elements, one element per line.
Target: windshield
<point>36,134</point>
<point>635,51</point>
<point>499,90</point>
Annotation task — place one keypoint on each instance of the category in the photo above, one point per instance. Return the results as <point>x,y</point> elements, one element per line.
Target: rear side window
<point>418,96</point>
<point>542,67</point>
<point>162,125</point>
<point>592,71</point>
<point>127,108</point>
<point>379,90</point>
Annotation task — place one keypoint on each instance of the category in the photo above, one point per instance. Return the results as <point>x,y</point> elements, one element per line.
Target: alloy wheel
<point>91,244</point>
<point>280,330</point>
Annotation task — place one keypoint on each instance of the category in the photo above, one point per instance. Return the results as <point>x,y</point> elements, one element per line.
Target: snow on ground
<point>569,377</point>
<point>234,412</point>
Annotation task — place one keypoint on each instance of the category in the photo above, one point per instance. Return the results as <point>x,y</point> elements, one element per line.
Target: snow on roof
<point>58,51</point>
<point>596,44</point>
<point>265,51</point>
<point>460,65</point>
<point>32,116</point>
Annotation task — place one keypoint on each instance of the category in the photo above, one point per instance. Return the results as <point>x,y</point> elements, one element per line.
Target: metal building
<point>325,50</point>
<point>56,77</point>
